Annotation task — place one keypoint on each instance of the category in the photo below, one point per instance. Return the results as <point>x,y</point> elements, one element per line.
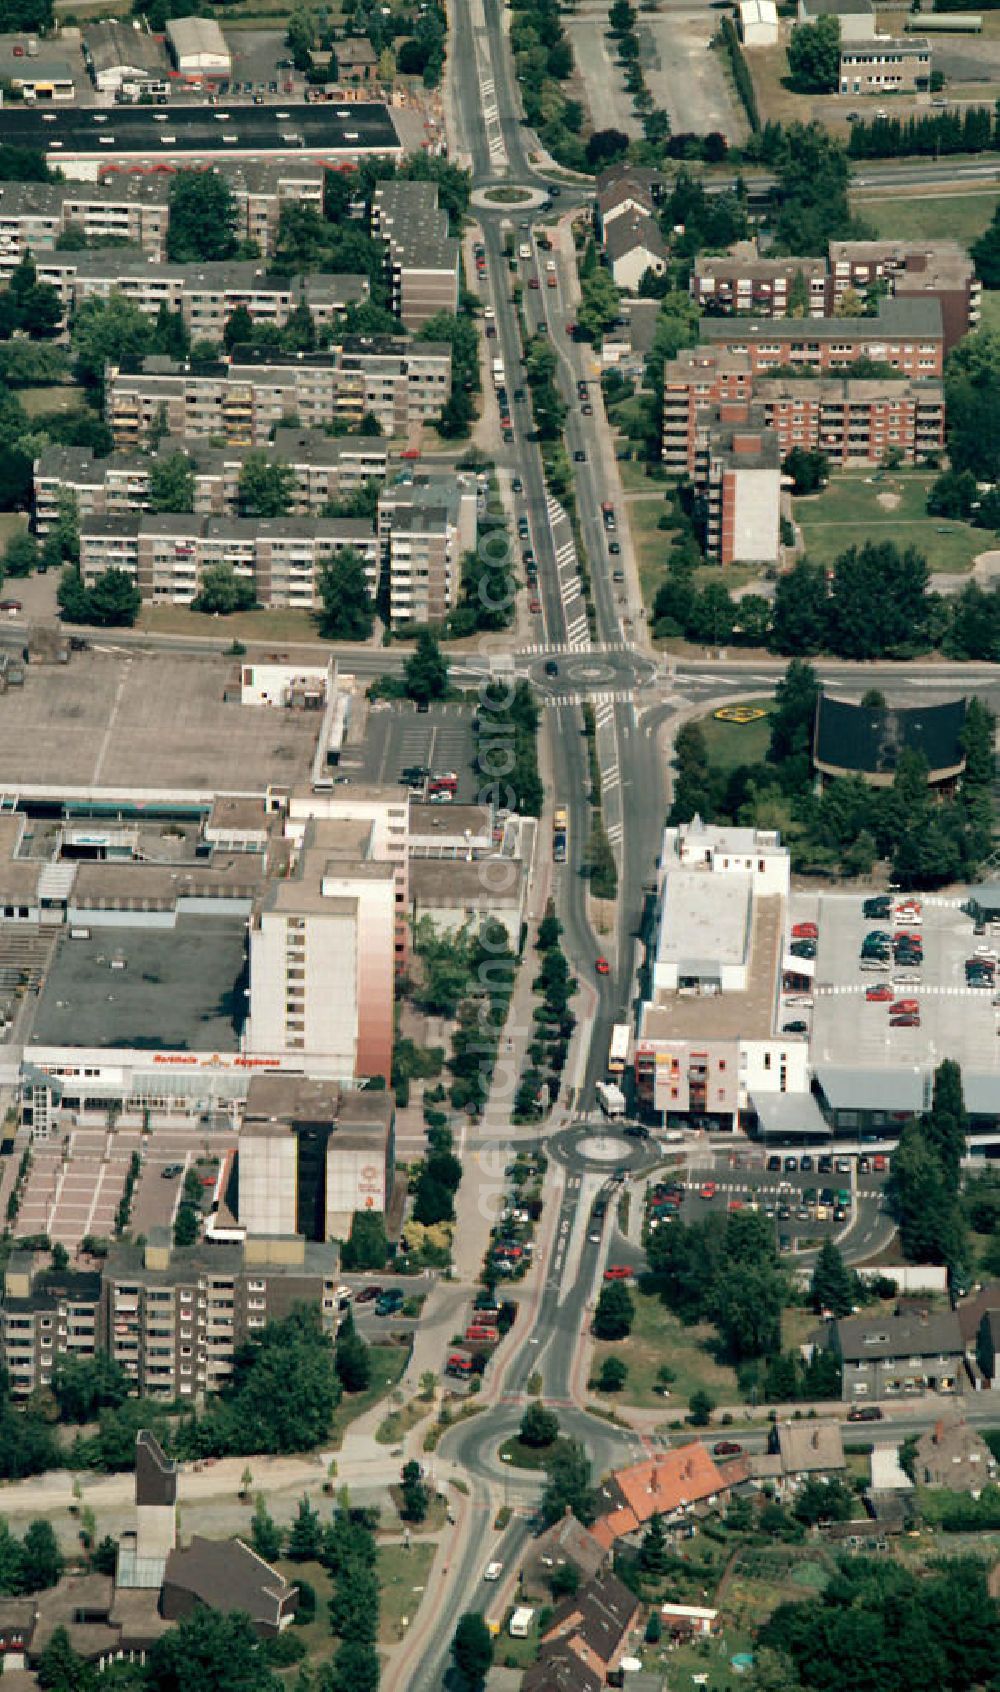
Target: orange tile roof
<point>658,1487</point>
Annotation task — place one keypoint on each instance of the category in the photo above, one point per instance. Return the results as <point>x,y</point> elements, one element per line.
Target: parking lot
<point>850,1031</point>
<point>806,1204</point>
<point>400,737</point>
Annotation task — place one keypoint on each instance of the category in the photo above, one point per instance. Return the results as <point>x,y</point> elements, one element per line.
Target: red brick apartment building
<point>907,335</point>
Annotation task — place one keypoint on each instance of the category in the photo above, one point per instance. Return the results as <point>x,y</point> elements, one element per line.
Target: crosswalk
<point>553,648</point>
<point>623,696</point>
<point>615,833</point>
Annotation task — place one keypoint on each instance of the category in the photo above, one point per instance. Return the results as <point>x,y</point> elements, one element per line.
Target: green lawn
<point>657,1337</point>
<point>61,396</point>
<point>939,217</point>
<point>651,543</point>
<point>244,626</point>
<point>402,1578</point>
<point>731,744</point>
<point>990,318</point>
<point>848,512</point>
<point>524,1456</point>
<point>316,1635</point>
<point>388,1363</point>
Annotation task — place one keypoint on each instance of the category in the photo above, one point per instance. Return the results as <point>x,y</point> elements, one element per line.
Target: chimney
<point>938,1432</point>
<point>815,1439</point>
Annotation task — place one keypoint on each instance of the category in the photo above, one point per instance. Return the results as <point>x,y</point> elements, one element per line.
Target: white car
<point>799,999</point>
<point>493,1571</point>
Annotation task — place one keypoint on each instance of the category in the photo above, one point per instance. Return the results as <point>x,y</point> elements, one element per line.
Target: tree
<point>600,304</point>
<point>613,1375</point>
<point>106,332</point>
<point>185,1225</point>
<point>20,556</point>
<point>700,1407</point>
<point>426,672</point>
<point>112,602</point>
<point>202,225</point>
<point>801,609</point>
<point>208,1651</point>
<point>59,1668</point>
<point>281,1395</point>
<point>41,1558</point>
<point>222,591</point>
<point>604,147</point>
<point>345,611</point>
<point>267,486</point>
<point>814,56</point>
<point>986,253</point>
<point>265,1533</point>
<point>809,468</point>
<point>564,1581</point>
<point>353,1357</point>
<point>831,1287</point>
<point>930,1224</point>
<point>367,1246</point>
<point>472,1650</point>
<point>355,1668</point>
<point>539,1427</point>
<point>415,1497</point>
<point>878,602</point>
<point>84,1385</point>
<point>654,1554</point>
<point>171,483</point>
<point>569,1484</point>
<point>946,1123</point>
<point>615,1312</point>
<point>305,1536</point>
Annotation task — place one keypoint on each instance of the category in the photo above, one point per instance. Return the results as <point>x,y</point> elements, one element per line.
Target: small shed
<point>759,23</point>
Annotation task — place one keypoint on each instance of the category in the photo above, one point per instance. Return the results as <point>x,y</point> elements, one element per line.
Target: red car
<point>904,1022</point>
<point>805,931</point>
<point>366,1294</point>
<point>880,1163</point>
<point>878,995</point>
<point>726,1448</point>
<point>708,1191</point>
<point>602,966</point>
<point>535,605</point>
<point>905,1007</point>
<point>410,452</point>
<point>735,1204</point>
<point>618,1272</point>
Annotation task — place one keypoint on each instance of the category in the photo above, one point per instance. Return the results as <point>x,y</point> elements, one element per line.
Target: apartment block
<point>311,1154</point>
<point>422,258</point>
<point>855,421</point>
<point>322,956</point>
<point>742,487</point>
<point>175,1317</point>
<point>241,401</point>
<point>885,65</point>
<point>206,295</point>
<point>326,468</point>
<point>260,190</point>
<point>46,1314</point>
<point>386,814</point>
<point>425,525</point>
<point>125,208</point>
<point>743,281</point>
<point>941,270</point>
<point>166,554</point>
<point>694,384</point>
<point>907,335</point>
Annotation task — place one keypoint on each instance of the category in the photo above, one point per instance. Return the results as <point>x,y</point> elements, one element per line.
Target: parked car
<point>708,1190</point>
<point>803,948</point>
<point>805,931</point>
<point>774,1163</point>
<point>367,1294</point>
<point>795,1028</point>
<point>726,1448</point>
<point>864,1413</point>
<point>878,995</point>
<point>617,1272</point>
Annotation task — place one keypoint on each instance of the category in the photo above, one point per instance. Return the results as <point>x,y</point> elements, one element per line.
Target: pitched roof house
<point>664,1485</point>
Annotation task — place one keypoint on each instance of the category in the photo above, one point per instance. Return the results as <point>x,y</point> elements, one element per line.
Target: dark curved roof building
<point>867,741</point>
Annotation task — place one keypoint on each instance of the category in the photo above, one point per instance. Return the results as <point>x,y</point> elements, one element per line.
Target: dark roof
<point>155,1475</point>
<point>227,1575</point>
<point>559,1669</point>
<point>869,740</point>
<point>601,1614</point>
<point>58,1286</point>
<point>131,130</point>
<point>908,1335</point>
<point>914,315</point>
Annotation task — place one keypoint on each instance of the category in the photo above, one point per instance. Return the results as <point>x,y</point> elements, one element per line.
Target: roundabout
<point>586,1147</point>
<point>509,196</point>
